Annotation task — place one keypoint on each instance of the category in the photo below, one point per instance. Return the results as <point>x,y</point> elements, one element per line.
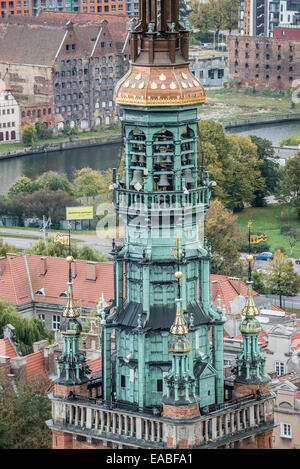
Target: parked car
<point>297,261</point>
<point>263,256</point>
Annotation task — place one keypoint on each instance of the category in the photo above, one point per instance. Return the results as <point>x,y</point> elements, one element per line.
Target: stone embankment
<point>49,147</point>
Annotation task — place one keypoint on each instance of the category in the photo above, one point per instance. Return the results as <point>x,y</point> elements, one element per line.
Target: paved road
<point>103,243</point>
<point>261,265</point>
<point>287,301</point>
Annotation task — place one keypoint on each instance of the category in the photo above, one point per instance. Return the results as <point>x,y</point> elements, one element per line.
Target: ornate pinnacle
<point>179,326</point>
<point>250,309</point>
<point>70,310</point>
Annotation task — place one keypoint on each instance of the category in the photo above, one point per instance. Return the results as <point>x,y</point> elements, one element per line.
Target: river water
<point>106,156</point>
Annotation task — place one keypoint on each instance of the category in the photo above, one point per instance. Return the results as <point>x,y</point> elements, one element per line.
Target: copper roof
<point>159,86</point>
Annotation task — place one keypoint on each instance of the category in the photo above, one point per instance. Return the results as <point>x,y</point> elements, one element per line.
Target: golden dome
<point>159,86</point>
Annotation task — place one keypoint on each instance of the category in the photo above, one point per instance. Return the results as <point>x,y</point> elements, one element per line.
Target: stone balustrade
<point>125,199</point>
<point>97,421</point>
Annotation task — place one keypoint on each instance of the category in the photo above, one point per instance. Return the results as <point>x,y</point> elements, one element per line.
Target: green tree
<point>292,234</point>
<point>258,282</point>
<point>243,176</point>
<point>289,183</point>
<point>5,248</point>
<point>199,16</point>
<point>54,249</point>
<point>224,235</point>
<point>54,181</point>
<point>70,132</point>
<point>27,331</point>
<point>29,134</point>
<point>269,169</point>
<point>90,182</point>
<point>232,162</point>
<point>43,132</point>
<point>50,203</point>
<point>4,434</point>
<point>280,277</point>
<point>25,407</point>
<point>22,184</point>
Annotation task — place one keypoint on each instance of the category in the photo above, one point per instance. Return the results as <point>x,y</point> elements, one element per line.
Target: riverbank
<point>232,105</point>
<point>261,120</point>
<point>58,146</point>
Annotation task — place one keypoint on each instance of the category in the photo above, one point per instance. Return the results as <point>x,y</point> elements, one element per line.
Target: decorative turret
<point>251,372</point>
<point>71,364</point>
<point>180,400</point>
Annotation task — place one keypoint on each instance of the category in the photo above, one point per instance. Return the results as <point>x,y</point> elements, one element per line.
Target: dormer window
<point>63,294</point>
<point>40,292</point>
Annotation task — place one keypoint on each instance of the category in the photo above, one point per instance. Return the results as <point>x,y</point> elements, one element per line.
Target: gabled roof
<point>6,348</point>
<point>95,365</point>
<point>21,280</point>
<point>227,288</point>
<point>37,40</point>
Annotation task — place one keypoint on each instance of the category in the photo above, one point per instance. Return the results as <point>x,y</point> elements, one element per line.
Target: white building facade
<point>9,116</point>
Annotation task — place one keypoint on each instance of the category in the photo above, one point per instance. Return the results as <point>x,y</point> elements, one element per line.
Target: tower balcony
<point>106,425</point>
<point>130,200</point>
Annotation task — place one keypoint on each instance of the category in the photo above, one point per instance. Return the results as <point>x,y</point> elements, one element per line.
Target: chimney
<point>91,273</point>
<point>2,266</point>
<point>43,266</point>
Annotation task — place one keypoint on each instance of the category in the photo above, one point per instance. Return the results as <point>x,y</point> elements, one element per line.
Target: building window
<point>123,381</point>
<point>42,317</point>
<point>279,367</point>
<point>55,322</point>
<point>286,430</point>
<point>159,385</point>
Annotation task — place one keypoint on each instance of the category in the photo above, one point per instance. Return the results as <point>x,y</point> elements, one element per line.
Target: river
<point>106,156</point>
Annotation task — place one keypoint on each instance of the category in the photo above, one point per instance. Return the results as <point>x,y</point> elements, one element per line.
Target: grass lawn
<point>237,104</point>
<point>105,132</point>
<point>268,220</point>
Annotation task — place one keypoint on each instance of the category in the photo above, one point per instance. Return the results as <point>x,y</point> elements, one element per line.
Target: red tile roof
<point>227,288</point>
<point>35,366</point>
<point>6,348</point>
<point>95,365</point>
<point>19,285</point>
<point>295,340</point>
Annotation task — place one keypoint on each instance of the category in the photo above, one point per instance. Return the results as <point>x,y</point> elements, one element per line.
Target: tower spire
<point>180,399</point>
<point>251,370</point>
<point>71,364</point>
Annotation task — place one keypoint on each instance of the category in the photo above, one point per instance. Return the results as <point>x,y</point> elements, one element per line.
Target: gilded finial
<point>179,326</point>
<point>250,309</point>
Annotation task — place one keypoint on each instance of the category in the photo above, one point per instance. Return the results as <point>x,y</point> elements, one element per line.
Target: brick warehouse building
<point>264,62</point>
<point>71,76</point>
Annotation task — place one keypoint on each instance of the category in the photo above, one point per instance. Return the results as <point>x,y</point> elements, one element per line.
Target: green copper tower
<point>161,197</point>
